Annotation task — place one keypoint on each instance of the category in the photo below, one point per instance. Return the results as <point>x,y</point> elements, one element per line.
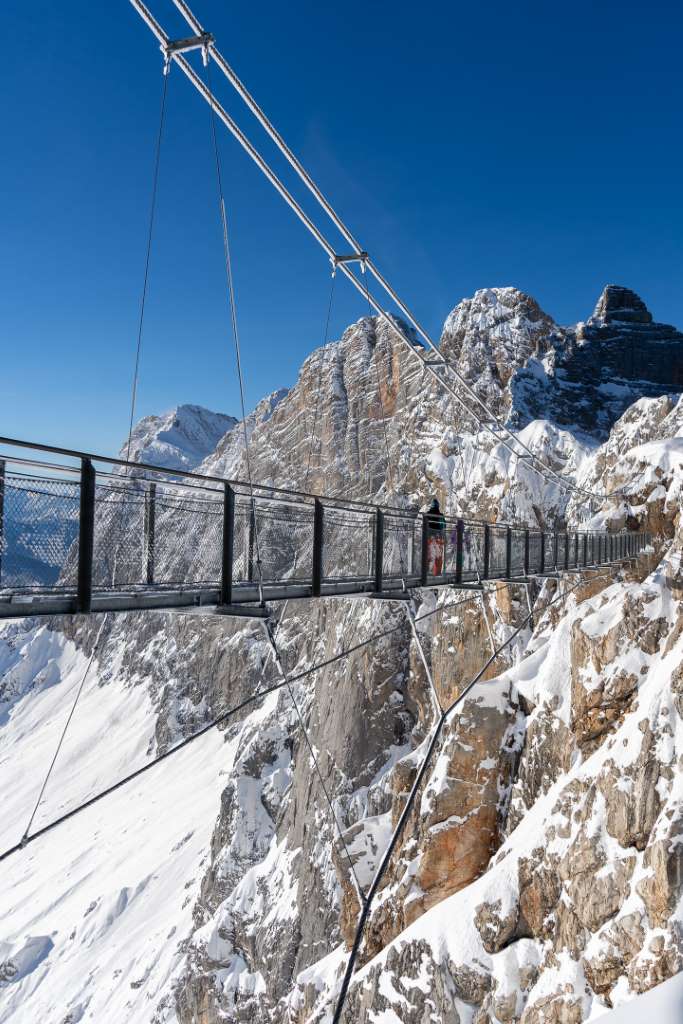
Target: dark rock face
<point>623,305</point>
<point>621,343</point>
<point>600,367</point>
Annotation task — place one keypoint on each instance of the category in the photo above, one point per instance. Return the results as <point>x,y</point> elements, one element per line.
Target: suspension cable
<point>235,330</point>
<point>320,376</point>
<point>408,806</point>
<point>318,392</point>
<point>483,415</point>
<point>390,472</point>
<point>26,837</point>
<point>150,232</point>
<point>220,720</point>
<point>340,831</point>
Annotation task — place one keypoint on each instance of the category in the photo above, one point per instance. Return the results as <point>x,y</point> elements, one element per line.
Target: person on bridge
<point>436,538</point>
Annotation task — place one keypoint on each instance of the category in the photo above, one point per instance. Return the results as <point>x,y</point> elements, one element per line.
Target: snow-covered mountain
<point>179,439</point>
<point>539,877</point>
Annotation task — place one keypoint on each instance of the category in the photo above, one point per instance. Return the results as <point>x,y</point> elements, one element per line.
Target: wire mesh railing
<point>74,530</point>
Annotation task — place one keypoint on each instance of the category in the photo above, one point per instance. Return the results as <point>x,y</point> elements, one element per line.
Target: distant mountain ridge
<point>179,439</point>
<point>584,377</point>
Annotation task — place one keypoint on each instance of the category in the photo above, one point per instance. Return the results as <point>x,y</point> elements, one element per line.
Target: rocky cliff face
<point>537,879</point>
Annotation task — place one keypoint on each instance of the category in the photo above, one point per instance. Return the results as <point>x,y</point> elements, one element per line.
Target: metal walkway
<point>82,533</point>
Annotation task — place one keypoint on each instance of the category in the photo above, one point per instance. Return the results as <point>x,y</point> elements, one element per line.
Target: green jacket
<point>436,522</point>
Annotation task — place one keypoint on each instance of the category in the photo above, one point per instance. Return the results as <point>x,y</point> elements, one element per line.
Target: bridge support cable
<point>318,391</point>
<point>311,750</point>
<point>390,472</point>
<point>484,416</point>
<point>235,331</point>
<point>220,719</point>
<point>26,836</point>
<point>319,375</point>
<point>408,806</point>
<point>148,253</point>
<point>410,611</point>
<point>214,55</point>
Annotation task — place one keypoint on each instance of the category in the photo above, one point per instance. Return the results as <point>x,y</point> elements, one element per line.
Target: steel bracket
<point>353,257</point>
<point>201,42</point>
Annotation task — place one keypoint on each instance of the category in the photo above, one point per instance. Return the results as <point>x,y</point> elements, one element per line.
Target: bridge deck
<point>90,534</point>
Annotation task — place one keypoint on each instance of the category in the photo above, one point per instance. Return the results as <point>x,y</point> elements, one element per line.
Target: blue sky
<point>468,145</point>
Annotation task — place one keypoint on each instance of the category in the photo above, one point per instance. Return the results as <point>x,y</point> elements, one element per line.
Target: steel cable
<point>150,232</point>
<point>407,808</point>
<point>233,319</point>
<point>221,719</point>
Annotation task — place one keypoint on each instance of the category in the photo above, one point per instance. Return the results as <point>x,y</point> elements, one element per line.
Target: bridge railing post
<point>508,552</point>
<point>459,549</point>
<point>542,546</point>
<point>379,550</point>
<point>251,530</point>
<point>424,561</point>
<point>149,531</point>
<point>228,545</point>
<point>2,510</point>
<point>86,536</point>
<point>556,544</point>
<point>526,552</point>
<point>318,530</point>
<point>487,552</point>
<point>566,550</point>
<point>584,561</point>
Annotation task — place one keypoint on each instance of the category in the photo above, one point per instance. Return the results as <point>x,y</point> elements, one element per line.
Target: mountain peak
<point>179,439</point>
<point>618,303</point>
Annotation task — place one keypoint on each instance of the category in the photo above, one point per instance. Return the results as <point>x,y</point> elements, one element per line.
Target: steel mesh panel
<point>242,535</point>
<point>118,545</point>
<point>402,545</point>
<point>548,553</point>
<point>517,559</point>
<point>188,539</point>
<point>561,549</point>
<point>473,551</point>
<point>535,553</point>
<point>39,538</point>
<point>497,551</point>
<point>281,536</point>
<point>349,538</point>
<point>571,541</point>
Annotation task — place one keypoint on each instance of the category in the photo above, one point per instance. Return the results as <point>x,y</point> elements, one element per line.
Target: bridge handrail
<point>102,532</point>
<point>270,489</point>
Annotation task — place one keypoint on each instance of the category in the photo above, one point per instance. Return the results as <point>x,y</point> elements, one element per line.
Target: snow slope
<point>94,913</point>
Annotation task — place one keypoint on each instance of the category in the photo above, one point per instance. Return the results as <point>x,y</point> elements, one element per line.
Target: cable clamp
<point>201,42</point>
<point>353,257</point>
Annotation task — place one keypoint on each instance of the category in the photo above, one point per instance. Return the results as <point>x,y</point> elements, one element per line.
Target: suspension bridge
<point>100,534</point>
<point>87,534</point>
